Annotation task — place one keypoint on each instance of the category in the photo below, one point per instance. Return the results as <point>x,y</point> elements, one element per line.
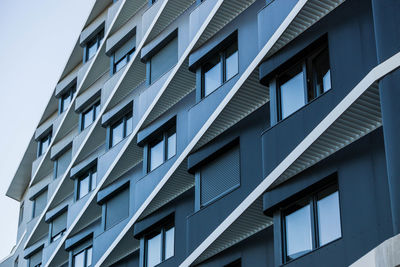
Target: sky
<point>36,40</point>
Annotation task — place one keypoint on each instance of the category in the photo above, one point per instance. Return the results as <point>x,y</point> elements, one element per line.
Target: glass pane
<point>322,73</point>
<point>153,251</point>
<point>91,50</point>
<point>212,76</point>
<point>171,146</point>
<point>129,125</point>
<point>117,133</point>
<point>79,259</point>
<point>232,65</point>
<point>169,243</point>
<point>292,93</point>
<point>89,257</point>
<point>66,101</point>
<point>298,232</point>
<point>94,181</point>
<point>87,118</point>
<point>83,187</point>
<point>156,155</point>
<point>96,110</point>
<point>120,64</point>
<point>329,218</point>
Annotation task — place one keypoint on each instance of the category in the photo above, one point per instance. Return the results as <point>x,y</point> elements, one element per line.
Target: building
<point>219,133</point>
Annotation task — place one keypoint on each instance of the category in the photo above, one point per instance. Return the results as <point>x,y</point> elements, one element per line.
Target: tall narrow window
<point>311,223</point>
<point>86,183</point>
<point>116,208</point>
<point>220,68</point>
<point>39,203</point>
<point>61,163</point>
<point>164,60</point>
<point>121,129</point>
<point>65,100</point>
<point>160,246</point>
<point>90,115</point>
<point>321,72</point>
<point>82,258</point>
<point>43,144</point>
<point>35,260</point>
<point>58,226</point>
<point>21,213</point>
<point>92,45</point>
<point>162,148</point>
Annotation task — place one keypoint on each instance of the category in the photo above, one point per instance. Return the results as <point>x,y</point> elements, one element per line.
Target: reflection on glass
<point>84,187</point>
<point>87,118</point>
<point>212,76</point>
<point>156,155</point>
<point>89,256</point>
<point>154,251</point>
<point>93,181</point>
<point>292,93</point>
<point>117,133</point>
<point>79,259</point>
<point>232,65</point>
<point>120,64</point>
<point>298,232</point>
<point>171,150</point>
<point>129,125</point>
<point>328,218</point>
<point>322,72</point>
<point>91,50</point>
<point>169,243</point>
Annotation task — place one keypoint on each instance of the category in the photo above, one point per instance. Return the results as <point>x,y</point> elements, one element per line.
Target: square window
<point>162,148</point>
<point>86,183</point>
<point>121,129</point>
<point>90,115</point>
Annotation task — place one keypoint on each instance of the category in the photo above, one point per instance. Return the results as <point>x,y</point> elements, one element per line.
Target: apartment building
<point>219,133</point>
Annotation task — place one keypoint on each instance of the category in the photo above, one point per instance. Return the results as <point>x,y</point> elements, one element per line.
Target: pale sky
<point>36,40</point>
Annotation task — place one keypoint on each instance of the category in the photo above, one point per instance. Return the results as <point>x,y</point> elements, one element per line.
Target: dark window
<point>161,149</point>
<point>121,129</point>
<point>58,226</point>
<point>123,55</point>
<point>219,69</point>
<point>66,99</point>
<point>43,144</point>
<point>82,258</point>
<point>159,246</point>
<point>92,45</point>
<point>236,263</point>
<point>86,183</point>
<point>21,213</point>
<point>304,82</point>
<point>36,259</point>
<point>89,115</point>
<point>311,223</point>
<point>219,176</point>
<point>16,262</point>
<point>39,203</point>
<point>164,60</point>
<point>116,208</point>
<point>61,163</point>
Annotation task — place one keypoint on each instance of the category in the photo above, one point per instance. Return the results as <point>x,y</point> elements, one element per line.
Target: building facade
<point>219,133</point>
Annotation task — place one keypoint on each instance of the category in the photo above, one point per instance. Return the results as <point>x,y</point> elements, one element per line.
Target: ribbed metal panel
<point>172,10</point>
<point>251,96</point>
<point>361,118</point>
<point>100,65</point>
<point>179,182</point>
<point>229,10</point>
<point>125,247</point>
<point>249,223</point>
<point>181,84</point>
<point>312,11</point>
<point>127,11</point>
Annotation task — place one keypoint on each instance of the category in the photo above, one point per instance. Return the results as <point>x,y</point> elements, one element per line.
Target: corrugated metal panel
<point>172,10</point>
<point>128,10</point>
<point>220,175</point>
<point>225,14</point>
<point>125,247</point>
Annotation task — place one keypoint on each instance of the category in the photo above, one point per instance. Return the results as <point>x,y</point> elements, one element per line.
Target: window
<point>236,263</point>
<point>219,176</point>
<point>221,68</point>
<point>92,46</point>
<point>58,226</point>
<point>159,246</point>
<point>44,144</point>
<point>82,258</point>
<point>311,223</point>
<point>21,213</point>
<point>16,262</point>
<point>116,208</point>
<point>304,82</point>
<point>39,203</point>
<point>86,183</point>
<point>164,60</point>
<point>161,149</point>
<point>61,163</point>
<point>65,100</point>
<point>123,55</point>
<point>35,260</point>
<point>89,115</point>
<point>121,129</point>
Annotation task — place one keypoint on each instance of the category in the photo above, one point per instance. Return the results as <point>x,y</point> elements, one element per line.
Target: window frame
<point>92,108</point>
<point>21,213</point>
<point>34,199</point>
<point>95,40</point>
<point>222,56</point>
<point>59,234</point>
<point>88,174</point>
<point>159,231</point>
<point>311,200</point>
<point>310,85</point>
<point>85,251</point>
<point>161,137</point>
<point>48,136</point>
<point>127,57</point>
<point>69,93</point>
<point>126,117</point>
